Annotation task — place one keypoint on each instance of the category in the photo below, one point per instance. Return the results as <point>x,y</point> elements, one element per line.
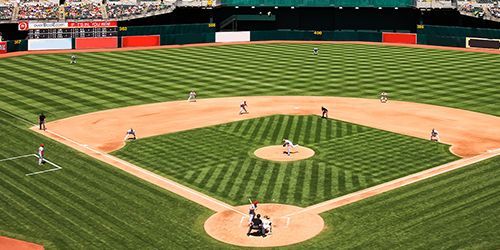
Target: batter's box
<point>54,167</point>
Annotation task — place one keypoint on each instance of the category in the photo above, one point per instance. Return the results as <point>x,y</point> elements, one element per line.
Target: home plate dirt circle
<point>232,226</point>
<point>276,153</point>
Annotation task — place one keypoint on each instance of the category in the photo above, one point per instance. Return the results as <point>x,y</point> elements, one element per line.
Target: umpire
<point>41,121</point>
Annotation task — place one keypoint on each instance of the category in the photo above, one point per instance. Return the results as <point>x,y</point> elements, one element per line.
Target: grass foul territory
<point>35,83</point>
<point>348,158</point>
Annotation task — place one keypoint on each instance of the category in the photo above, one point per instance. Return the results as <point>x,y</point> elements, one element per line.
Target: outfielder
<point>192,96</point>
<point>243,108</point>
<point>73,59</point>
<point>289,145</point>
<point>131,131</point>
<point>324,112</point>
<point>41,153</point>
<point>315,51</point>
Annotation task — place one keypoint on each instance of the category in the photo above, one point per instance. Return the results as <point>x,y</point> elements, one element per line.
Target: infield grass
<point>219,160</point>
<point>456,210</point>
<point>88,204</point>
<point>34,83</point>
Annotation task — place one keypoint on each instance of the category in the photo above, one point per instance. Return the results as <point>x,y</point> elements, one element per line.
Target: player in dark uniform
<point>324,112</point>
<point>41,121</point>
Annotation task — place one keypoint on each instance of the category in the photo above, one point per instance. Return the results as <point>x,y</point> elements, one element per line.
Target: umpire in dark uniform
<point>324,112</point>
<point>41,121</point>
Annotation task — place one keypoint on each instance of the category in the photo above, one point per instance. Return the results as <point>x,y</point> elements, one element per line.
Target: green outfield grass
<point>219,160</point>
<point>88,204</point>
<point>456,210</point>
<point>91,205</point>
<point>35,83</point>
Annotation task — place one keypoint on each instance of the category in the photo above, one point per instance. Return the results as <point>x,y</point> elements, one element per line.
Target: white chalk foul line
<point>16,157</point>
<point>410,179</point>
<point>144,171</point>
<point>56,167</point>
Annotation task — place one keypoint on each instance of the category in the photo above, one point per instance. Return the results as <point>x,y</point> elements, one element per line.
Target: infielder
<point>41,153</point>
<point>131,131</point>
<point>73,59</point>
<point>243,108</point>
<point>434,135</point>
<point>289,145</point>
<point>324,112</point>
<point>384,97</point>
<point>192,96</point>
<point>315,51</point>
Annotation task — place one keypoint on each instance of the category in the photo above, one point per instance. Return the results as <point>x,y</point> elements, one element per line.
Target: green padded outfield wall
<point>367,36</point>
<point>452,36</point>
<point>166,29</point>
<point>187,38</point>
<point>321,3</point>
<point>436,30</point>
<point>17,45</point>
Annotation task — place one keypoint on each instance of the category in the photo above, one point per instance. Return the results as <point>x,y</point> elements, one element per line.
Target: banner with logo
<point>3,47</point>
<point>25,25</point>
<point>96,24</point>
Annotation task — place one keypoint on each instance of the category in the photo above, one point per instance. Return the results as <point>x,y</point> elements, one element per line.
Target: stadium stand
<point>38,10</point>
<point>82,10</point>
<point>6,11</point>
<point>126,9</point>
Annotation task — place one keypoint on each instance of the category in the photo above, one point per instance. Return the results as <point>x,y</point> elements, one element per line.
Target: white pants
<point>40,159</point>
<point>243,110</point>
<point>192,98</point>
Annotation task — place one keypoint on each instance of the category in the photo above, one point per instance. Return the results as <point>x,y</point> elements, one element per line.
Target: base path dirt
<point>469,133</point>
<point>13,244</point>
<point>280,153</point>
<point>232,228</point>
<point>475,136</point>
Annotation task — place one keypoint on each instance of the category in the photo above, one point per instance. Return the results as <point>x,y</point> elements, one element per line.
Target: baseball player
<point>384,97</point>
<point>434,135</point>
<point>73,59</point>
<point>251,211</point>
<point>131,131</point>
<point>41,153</point>
<point>324,112</point>
<point>267,226</point>
<point>192,96</point>
<point>315,51</point>
<point>41,121</point>
<point>289,145</point>
<point>243,108</point>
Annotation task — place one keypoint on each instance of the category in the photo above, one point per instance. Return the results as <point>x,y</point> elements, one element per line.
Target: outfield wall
<point>205,33</point>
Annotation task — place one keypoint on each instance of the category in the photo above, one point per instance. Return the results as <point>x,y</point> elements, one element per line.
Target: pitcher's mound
<point>277,153</point>
<point>231,226</point>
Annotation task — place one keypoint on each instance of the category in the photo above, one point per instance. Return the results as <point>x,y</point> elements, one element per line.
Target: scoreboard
<point>44,30</point>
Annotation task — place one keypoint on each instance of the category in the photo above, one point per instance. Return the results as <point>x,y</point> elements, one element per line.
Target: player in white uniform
<point>434,135</point>
<point>289,145</point>
<point>243,108</point>
<point>41,153</point>
<point>384,97</point>
<point>315,51</point>
<point>73,59</point>
<point>251,211</point>
<point>131,131</point>
<point>267,226</point>
<point>192,96</point>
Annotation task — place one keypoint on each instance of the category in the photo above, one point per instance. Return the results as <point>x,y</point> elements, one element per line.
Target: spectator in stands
<point>38,10</point>
<point>79,10</point>
<point>6,12</point>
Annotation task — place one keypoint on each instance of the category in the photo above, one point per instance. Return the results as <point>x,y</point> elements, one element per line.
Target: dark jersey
<point>41,118</point>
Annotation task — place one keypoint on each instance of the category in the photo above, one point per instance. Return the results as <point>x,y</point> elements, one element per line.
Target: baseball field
<point>193,162</point>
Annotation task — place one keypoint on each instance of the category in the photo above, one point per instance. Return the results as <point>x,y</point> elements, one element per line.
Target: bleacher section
<point>321,3</point>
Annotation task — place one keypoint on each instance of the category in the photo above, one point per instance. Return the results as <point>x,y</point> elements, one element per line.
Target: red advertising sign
<point>95,24</point>
<point>23,26</point>
<point>3,47</point>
